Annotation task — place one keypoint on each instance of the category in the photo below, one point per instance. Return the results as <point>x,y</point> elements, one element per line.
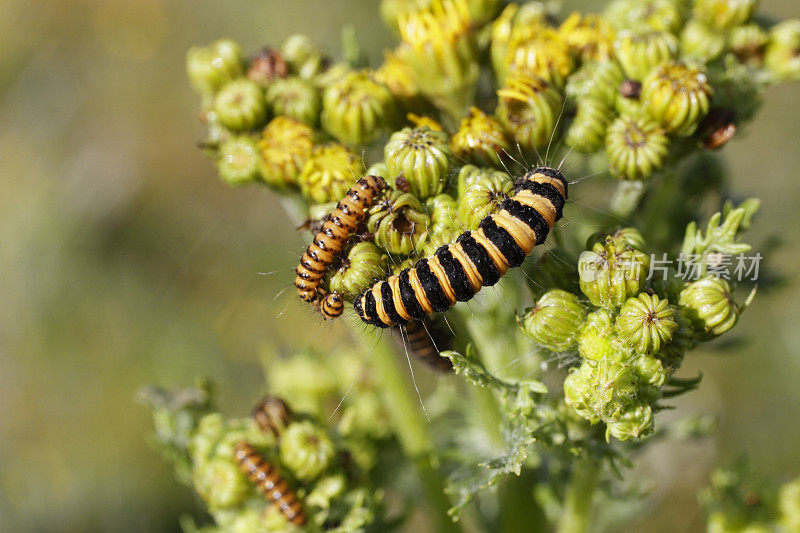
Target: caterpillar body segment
<point>478,258</point>
<point>425,342</point>
<point>330,240</point>
<point>269,481</point>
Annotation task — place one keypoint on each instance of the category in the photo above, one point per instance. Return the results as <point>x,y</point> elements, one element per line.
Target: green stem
<point>578,498</point>
<point>627,197</point>
<point>409,423</point>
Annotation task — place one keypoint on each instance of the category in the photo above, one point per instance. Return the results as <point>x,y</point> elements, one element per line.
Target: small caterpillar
<point>272,415</point>
<point>422,346</point>
<point>269,481</point>
<point>330,240</point>
<point>478,258</point>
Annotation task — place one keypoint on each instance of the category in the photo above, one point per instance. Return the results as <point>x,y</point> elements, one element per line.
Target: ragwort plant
<point>559,372</point>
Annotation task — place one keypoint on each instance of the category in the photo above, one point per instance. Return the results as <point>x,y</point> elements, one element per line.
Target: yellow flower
<point>591,37</point>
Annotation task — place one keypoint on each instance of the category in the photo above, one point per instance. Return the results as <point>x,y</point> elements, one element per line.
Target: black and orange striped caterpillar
<point>269,481</point>
<point>329,241</point>
<point>272,415</point>
<point>478,258</point>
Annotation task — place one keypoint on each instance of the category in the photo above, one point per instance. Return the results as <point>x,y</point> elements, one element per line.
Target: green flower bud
<point>483,192</point>
<point>749,43</point>
<point>422,157</point>
<point>365,415</point>
<point>789,505</point>
<point>356,108</point>
<point>578,392</point>
<point>306,450</point>
<point>380,169</point>
<point>597,80</point>
<point>528,108</point>
<point>639,52</point>
<point>643,15</point>
<point>239,160</point>
<point>442,210</point>
<point>555,320</point>
<point>646,323</point>
<point>709,304</point>
<point>325,491</point>
<point>542,54</point>
<point>621,239</point>
<point>220,483</point>
<point>596,336</point>
<point>782,57</point>
<point>634,422</point>
<point>701,43</point>
<point>677,96</point>
<point>285,146</point>
<point>587,131</point>
<point>398,266</point>
<point>364,264</point>
<point>328,173</point>
<point>635,147</point>
<point>294,97</point>
<point>399,223</point>
<point>211,67</point>
<point>479,139</point>
<point>303,378</point>
<point>305,59</point>
<point>724,14</point>
<point>609,275</point>
<point>627,102</point>
<point>267,66</point>
<point>331,75</point>
<point>444,227</point>
<point>590,37</point>
<point>650,370</point>
<point>240,105</point>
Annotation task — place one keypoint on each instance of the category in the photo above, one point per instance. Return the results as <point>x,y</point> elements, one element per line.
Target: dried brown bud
<point>266,66</point>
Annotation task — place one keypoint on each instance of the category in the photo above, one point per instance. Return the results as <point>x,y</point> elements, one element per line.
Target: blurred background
<point>124,261</point>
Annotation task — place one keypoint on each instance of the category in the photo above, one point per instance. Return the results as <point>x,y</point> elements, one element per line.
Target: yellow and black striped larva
<point>330,240</point>
<point>425,344</point>
<point>272,415</point>
<point>267,478</point>
<point>456,272</point>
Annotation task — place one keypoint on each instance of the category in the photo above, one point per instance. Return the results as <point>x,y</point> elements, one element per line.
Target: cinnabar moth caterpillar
<point>269,481</point>
<point>456,272</point>
<point>272,415</point>
<point>330,240</point>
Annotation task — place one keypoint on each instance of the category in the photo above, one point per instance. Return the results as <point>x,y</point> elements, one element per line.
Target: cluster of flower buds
<point>318,463</point>
<point>632,331</point>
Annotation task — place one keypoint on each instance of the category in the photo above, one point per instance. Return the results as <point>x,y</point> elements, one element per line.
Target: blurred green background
<point>124,261</point>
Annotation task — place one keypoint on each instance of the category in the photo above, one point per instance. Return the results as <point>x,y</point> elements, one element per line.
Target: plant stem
<point>409,423</point>
<point>627,197</point>
<point>578,498</point>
